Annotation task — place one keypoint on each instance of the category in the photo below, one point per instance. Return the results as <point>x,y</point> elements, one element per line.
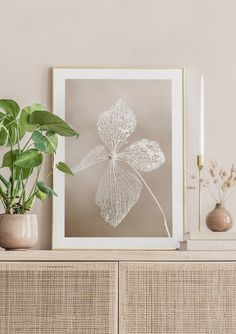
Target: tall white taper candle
<point>201,120</point>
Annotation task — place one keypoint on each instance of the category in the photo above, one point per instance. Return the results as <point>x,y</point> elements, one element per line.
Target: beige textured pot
<point>18,231</point>
<point>219,219</point>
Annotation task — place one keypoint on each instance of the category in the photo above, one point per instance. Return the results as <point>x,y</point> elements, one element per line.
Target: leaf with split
<point>9,107</point>
<point>50,122</point>
<point>29,159</point>
<point>3,136</point>
<point>61,166</point>
<point>24,124</point>
<point>3,132</point>
<point>12,133</point>
<point>46,189</point>
<point>9,124</point>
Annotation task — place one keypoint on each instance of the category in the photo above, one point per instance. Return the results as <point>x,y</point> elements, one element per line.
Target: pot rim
<point>18,214</point>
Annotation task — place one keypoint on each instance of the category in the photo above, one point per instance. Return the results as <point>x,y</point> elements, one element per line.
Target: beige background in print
<point>196,34</point>
<point>151,102</point>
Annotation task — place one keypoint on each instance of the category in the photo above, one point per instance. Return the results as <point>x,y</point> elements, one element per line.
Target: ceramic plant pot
<point>18,231</point>
<point>219,219</point>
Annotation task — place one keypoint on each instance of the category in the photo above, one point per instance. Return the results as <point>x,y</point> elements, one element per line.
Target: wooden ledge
<point>117,255</point>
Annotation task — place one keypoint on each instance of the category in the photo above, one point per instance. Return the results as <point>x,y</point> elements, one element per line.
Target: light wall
<point>196,34</point>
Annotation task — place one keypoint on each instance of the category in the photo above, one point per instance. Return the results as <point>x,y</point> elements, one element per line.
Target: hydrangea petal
<point>118,190</point>
<point>96,155</point>
<point>145,155</point>
<point>116,125</point>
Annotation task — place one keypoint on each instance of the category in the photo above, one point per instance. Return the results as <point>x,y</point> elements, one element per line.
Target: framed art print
<point>127,191</point>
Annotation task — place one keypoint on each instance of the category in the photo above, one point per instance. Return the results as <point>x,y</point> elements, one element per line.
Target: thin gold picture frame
<point>182,69</point>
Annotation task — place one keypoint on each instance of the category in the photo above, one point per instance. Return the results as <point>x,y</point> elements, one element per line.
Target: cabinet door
<point>177,298</point>
<point>58,298</point>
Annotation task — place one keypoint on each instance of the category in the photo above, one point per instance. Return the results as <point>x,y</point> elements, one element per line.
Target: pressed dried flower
<point>120,186</point>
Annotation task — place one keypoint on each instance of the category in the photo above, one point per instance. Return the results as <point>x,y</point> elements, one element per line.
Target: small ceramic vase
<point>18,231</point>
<point>219,219</point>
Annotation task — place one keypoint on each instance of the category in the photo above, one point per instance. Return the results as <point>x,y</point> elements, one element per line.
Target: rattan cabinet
<point>58,298</point>
<point>178,298</point>
<point>117,292</point>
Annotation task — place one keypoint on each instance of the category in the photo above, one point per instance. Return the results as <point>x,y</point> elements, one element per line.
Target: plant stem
<point>35,183</point>
<point>49,174</point>
<point>22,197</point>
<point>19,181</point>
<point>14,189</point>
<point>32,195</point>
<point>27,143</point>
<point>18,136</point>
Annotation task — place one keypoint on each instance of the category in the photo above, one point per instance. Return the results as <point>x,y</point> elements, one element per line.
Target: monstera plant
<point>27,136</point>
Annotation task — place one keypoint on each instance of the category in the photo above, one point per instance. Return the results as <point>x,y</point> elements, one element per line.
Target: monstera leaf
<point>24,124</point>
<point>50,122</point>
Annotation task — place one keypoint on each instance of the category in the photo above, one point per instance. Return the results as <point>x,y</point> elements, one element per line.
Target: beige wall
<point>196,34</point>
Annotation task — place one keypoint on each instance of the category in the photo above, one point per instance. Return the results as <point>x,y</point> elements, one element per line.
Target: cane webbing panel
<point>177,298</point>
<point>58,298</point>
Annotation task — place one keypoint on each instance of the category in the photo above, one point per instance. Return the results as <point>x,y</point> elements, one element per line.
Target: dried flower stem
<point>220,183</point>
<point>229,195</point>
<point>155,199</point>
<point>211,193</point>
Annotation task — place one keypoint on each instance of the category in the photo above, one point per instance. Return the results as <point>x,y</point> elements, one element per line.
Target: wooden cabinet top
<point>117,255</point>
